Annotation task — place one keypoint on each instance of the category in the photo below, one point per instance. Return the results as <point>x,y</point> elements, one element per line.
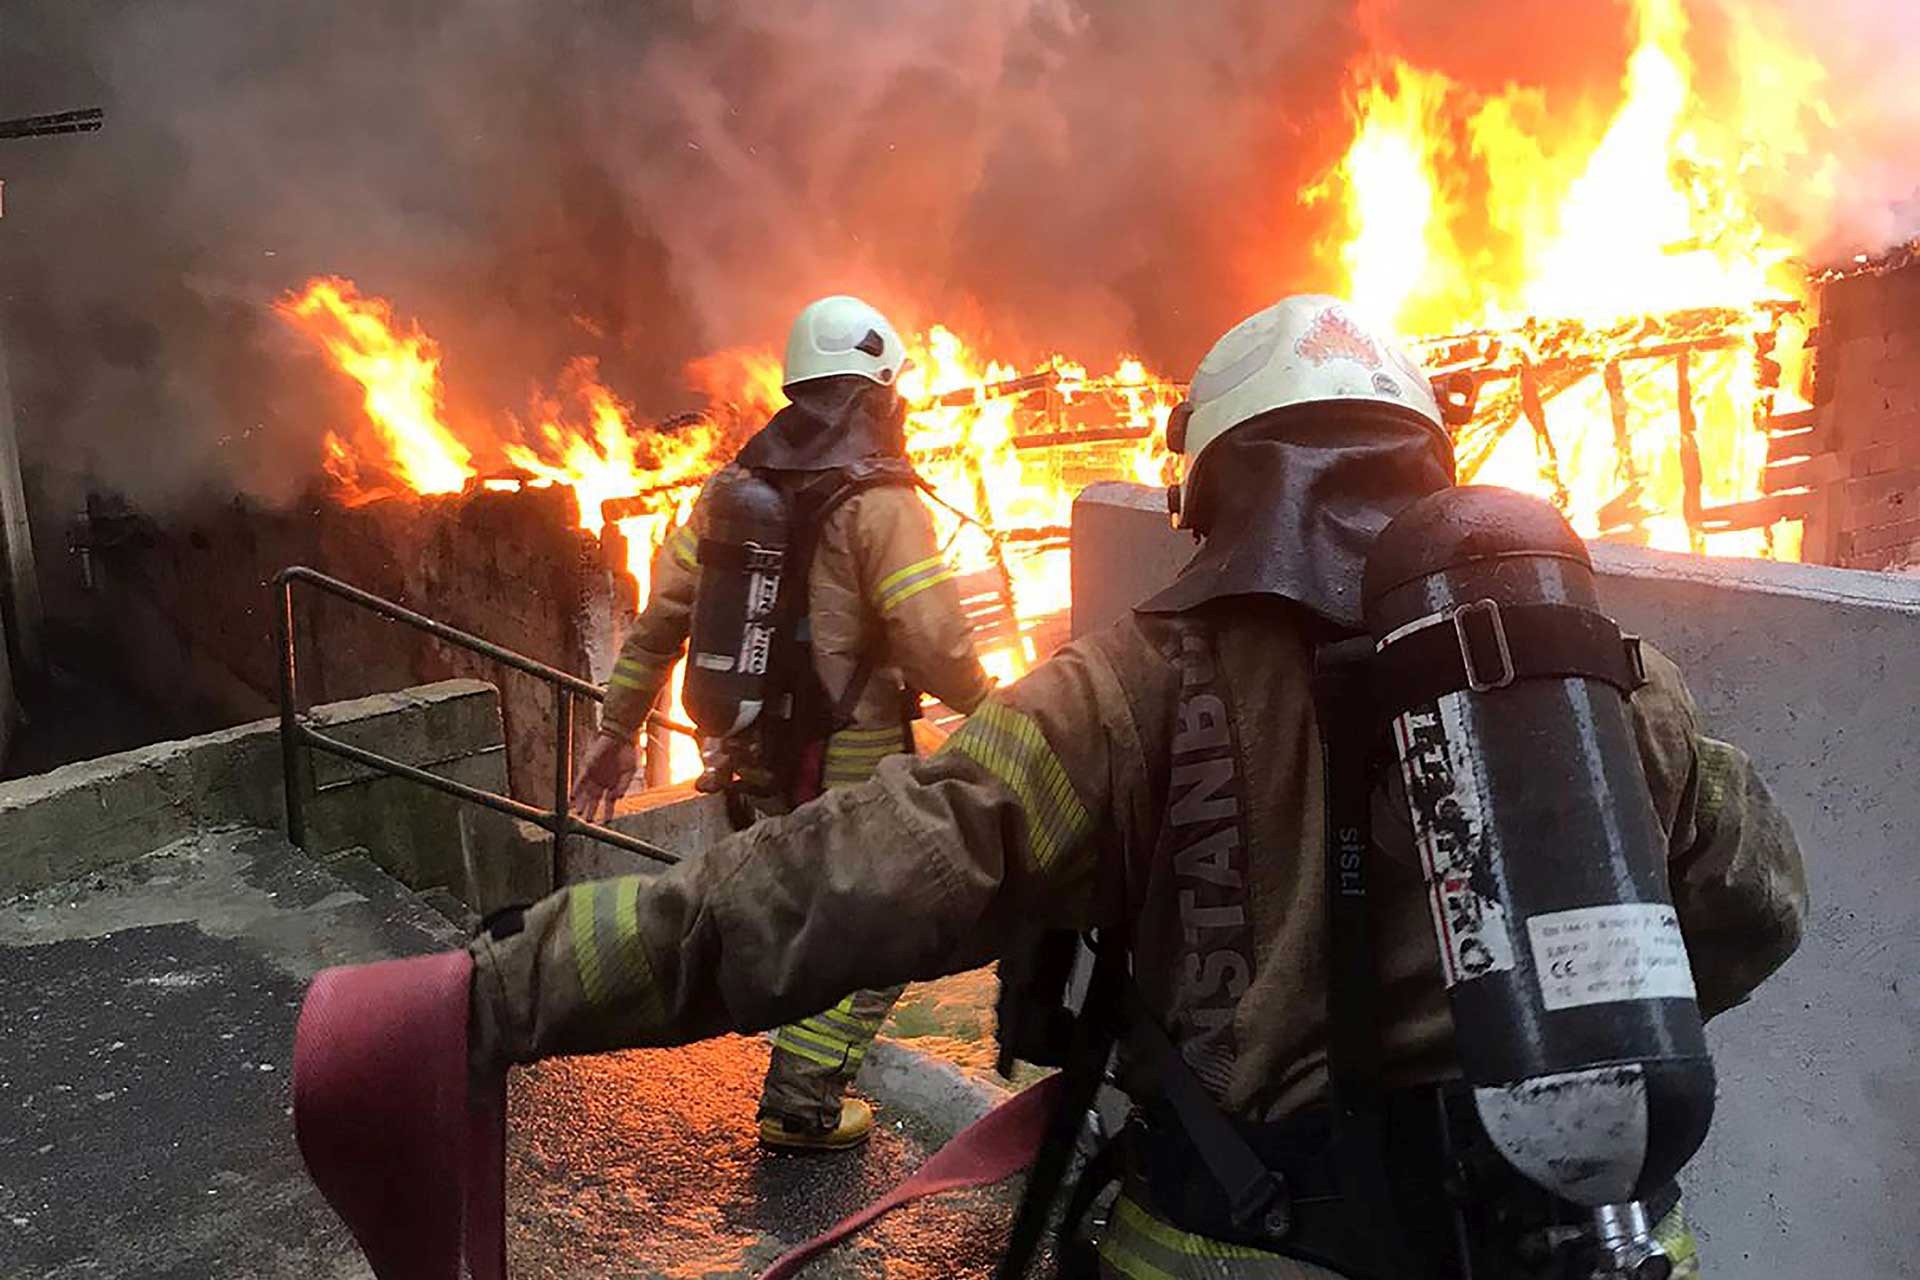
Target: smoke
<point>646,182</point>
<point>1858,189</point>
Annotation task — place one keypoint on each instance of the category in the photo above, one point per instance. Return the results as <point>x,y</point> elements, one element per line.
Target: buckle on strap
<point>1264,1208</point>
<point>1636,659</point>
<point>1475,680</point>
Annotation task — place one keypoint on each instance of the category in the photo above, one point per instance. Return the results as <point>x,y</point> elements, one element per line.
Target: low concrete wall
<point>94,814</point>
<point>1817,1142</point>
<point>677,818</point>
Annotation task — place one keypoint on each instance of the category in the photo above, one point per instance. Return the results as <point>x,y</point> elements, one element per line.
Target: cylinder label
<point>1595,955</point>
<point>1448,800</point>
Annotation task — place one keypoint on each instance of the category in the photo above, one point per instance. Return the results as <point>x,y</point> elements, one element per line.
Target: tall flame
<point>400,373</point>
<point>1472,212</point>
<point>1603,277</point>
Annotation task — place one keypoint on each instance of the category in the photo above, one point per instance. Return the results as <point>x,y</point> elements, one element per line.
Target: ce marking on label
<point>1562,969</point>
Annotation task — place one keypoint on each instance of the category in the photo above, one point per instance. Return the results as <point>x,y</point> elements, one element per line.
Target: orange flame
<point>400,373</point>
<point>1468,212</point>
<point>1602,276</point>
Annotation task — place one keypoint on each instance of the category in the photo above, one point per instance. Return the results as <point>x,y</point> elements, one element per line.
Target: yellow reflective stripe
<point>914,590</point>
<point>1129,1264</point>
<point>784,1045</point>
<point>902,585</point>
<point>684,547</point>
<point>1009,745</point>
<point>631,673</point>
<point>609,954</point>
<point>820,1037</point>
<point>889,734</point>
<point>1138,1245</point>
<point>633,969</point>
<point>1136,1219</point>
<point>1675,1235</point>
<point>586,948</point>
<point>858,1025</point>
<point>862,755</point>
<point>899,576</point>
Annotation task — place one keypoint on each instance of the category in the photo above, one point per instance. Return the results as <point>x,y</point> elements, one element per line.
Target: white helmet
<point>843,335</point>
<point>1304,349</point>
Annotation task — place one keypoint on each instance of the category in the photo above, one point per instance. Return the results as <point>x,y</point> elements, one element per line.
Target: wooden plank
<point>1805,473</point>
<point>1755,513</point>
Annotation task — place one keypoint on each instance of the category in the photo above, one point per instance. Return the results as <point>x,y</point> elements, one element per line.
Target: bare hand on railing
<point>611,762</point>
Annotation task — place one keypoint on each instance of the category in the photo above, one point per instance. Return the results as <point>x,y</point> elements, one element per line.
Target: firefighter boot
<point>856,1123</point>
<point>813,1062</point>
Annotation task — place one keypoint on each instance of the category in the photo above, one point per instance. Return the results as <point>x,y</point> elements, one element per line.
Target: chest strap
<point>1483,646</point>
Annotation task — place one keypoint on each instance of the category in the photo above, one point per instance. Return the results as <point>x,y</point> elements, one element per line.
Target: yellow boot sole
<point>856,1124</point>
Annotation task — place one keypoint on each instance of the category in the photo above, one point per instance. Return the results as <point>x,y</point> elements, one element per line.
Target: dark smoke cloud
<point>645,182</point>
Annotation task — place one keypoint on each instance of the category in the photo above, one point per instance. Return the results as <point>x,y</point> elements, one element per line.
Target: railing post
<point>289,723</point>
<point>562,770</point>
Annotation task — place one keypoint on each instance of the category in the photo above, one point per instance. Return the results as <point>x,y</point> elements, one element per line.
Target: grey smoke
<point>645,182</point>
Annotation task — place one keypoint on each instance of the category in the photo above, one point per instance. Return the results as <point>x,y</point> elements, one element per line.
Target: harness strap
<point>1343,705</point>
<point>1257,1197</point>
<point>1093,1037</point>
<point>1484,646</point>
<point>810,712</point>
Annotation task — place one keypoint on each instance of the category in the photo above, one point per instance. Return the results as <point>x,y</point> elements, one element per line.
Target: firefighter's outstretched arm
<point>1738,881</point>
<point>656,641</point>
<point>909,584</point>
<point>920,872</point>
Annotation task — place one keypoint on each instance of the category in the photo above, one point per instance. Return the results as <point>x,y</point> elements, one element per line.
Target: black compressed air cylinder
<point>1572,997</point>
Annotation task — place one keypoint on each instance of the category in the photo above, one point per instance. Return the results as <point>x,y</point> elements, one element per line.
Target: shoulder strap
<point>816,499</point>
<point>1345,705</point>
<point>1344,708</point>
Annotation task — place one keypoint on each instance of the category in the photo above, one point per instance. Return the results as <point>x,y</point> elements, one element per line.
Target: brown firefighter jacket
<point>878,581</point>
<point>1058,786</point>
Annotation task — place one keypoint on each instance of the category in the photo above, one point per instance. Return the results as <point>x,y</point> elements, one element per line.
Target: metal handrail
<point>296,732</point>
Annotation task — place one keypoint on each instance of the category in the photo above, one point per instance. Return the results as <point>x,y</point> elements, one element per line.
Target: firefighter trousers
<point>815,1059</point>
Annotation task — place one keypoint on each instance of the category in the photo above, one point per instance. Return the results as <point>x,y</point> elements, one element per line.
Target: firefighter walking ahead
<point>876,620</point>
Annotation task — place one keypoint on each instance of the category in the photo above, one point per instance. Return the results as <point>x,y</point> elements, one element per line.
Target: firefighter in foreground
<point>1306,1084</point>
<point>870,617</point>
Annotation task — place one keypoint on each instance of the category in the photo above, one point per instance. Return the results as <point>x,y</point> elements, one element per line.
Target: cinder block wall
<point>1866,436</point>
<point>97,813</point>
<point>1816,1147</point>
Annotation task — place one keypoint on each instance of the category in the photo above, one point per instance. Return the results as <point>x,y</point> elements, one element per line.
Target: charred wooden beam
<point>85,120</point>
<point>1756,513</point>
<point>1690,503</point>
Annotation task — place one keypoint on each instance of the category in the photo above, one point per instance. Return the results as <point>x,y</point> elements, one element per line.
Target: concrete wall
<point>1815,1152</point>
<point>183,607</point>
<point>97,813</point>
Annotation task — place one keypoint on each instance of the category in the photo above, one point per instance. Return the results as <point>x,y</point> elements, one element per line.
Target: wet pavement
<point>146,1019</point>
<point>645,1164</point>
<point>146,1029</point>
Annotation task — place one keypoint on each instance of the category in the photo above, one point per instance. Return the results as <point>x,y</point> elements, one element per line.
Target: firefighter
<point>883,621</point>
<point>1160,780</point>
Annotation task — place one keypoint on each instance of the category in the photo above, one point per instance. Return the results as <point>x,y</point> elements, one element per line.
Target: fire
<point>1584,268</point>
<point>1607,300</point>
<point>1000,508</point>
<point>400,372</point>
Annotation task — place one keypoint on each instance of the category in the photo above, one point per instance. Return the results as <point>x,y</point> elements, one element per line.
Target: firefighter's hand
<point>611,762</point>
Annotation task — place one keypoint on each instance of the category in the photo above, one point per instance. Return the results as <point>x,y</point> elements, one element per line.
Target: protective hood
<point>831,423</point>
<point>1290,501</point>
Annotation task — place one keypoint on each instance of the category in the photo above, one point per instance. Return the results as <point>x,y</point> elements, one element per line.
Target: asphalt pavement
<point>146,1021</point>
